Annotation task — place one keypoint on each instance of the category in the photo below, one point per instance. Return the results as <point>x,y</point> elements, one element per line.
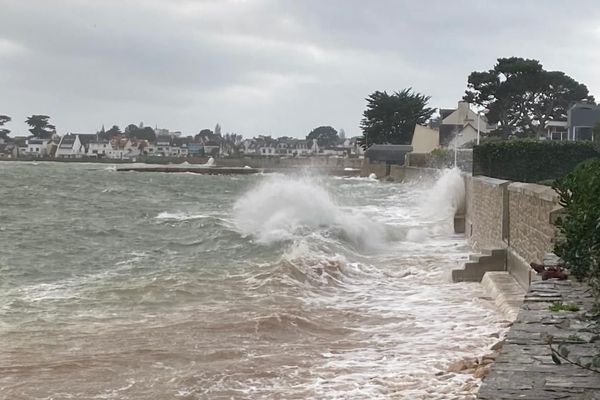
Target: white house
<point>267,149</point>
<point>37,147</point>
<point>70,147</point>
<point>163,145</point>
<point>177,151</point>
<point>99,148</point>
<point>149,149</point>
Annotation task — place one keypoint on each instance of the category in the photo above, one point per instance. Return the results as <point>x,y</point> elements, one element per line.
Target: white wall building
<point>37,147</point>
<point>70,147</point>
<point>99,149</point>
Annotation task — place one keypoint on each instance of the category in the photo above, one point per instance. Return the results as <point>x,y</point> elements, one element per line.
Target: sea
<point>129,285</point>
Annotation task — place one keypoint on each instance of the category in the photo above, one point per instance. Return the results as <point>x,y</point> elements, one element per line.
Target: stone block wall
<point>486,212</point>
<point>512,215</point>
<point>531,231</point>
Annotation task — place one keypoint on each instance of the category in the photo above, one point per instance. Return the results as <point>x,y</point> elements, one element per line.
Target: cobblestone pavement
<point>525,370</point>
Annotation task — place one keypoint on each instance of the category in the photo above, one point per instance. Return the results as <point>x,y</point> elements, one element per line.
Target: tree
<point>521,96</point>
<point>112,132</point>
<point>326,136</point>
<point>145,133</point>
<point>392,118</point>
<point>205,135</point>
<point>218,130</point>
<point>40,127</point>
<point>3,131</point>
<point>342,135</point>
<point>130,128</point>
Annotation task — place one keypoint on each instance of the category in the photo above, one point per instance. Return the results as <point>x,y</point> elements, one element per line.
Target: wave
<point>301,272</point>
<point>440,204</point>
<point>284,208</point>
<point>179,216</point>
<point>447,196</point>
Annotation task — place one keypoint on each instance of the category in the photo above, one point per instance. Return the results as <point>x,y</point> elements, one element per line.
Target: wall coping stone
<point>532,189</point>
<point>491,181</point>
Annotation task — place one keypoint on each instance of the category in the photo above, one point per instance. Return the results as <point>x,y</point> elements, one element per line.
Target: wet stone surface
<point>525,370</point>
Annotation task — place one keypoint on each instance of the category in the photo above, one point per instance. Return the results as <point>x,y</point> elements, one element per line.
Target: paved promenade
<point>525,370</point>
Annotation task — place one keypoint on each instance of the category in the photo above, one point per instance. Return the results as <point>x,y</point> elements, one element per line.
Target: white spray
<point>440,204</point>
<point>281,208</point>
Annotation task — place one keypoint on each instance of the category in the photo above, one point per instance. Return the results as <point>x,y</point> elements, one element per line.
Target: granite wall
<point>486,217</point>
<point>512,215</point>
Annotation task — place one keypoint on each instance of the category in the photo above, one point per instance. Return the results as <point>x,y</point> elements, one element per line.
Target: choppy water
<point>181,286</point>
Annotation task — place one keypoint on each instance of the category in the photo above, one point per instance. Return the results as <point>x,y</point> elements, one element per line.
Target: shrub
<point>579,247</point>
<point>529,160</point>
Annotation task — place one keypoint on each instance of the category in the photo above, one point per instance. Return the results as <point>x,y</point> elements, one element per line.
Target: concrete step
<point>479,264</point>
<point>508,295</point>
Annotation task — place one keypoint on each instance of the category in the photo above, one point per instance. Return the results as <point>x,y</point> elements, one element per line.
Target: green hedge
<point>530,161</point>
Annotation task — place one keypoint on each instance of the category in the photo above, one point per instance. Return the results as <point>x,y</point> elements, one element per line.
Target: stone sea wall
<point>511,215</point>
<point>486,222</point>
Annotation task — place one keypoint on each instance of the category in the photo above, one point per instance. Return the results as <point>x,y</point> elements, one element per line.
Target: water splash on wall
<point>285,208</point>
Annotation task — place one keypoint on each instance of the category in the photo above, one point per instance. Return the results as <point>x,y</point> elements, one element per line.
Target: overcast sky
<point>267,66</point>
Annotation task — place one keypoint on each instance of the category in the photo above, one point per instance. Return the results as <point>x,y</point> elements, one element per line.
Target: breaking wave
<point>440,204</point>
<point>179,216</point>
<point>284,208</point>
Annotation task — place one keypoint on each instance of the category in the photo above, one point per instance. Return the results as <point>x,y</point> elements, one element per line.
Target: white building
<point>163,145</point>
<point>99,149</point>
<point>176,151</point>
<point>37,147</point>
<point>70,147</point>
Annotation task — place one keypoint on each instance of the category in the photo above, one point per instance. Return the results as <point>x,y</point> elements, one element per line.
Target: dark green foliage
<point>521,96</point>
<point>3,131</point>
<point>530,161</point>
<point>392,118</point>
<point>146,133</point>
<point>207,136</point>
<point>205,132</point>
<point>40,127</point>
<point>114,131</point>
<point>579,246</point>
<point>326,136</point>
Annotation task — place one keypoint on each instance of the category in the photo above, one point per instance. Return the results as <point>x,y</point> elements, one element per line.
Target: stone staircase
<point>479,264</point>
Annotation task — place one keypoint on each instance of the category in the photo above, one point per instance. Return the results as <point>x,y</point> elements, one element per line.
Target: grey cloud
<point>267,66</point>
